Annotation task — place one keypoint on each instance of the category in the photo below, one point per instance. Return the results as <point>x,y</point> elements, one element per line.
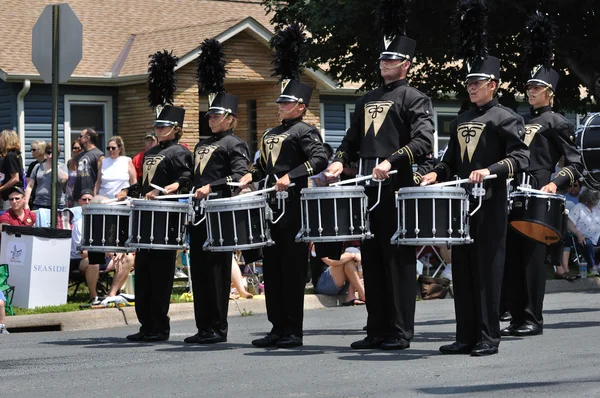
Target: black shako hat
<point>399,47</point>
<point>222,103</point>
<point>544,76</point>
<point>486,68</point>
<point>170,116</point>
<point>293,90</point>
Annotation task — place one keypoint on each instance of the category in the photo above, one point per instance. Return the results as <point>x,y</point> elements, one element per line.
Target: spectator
<point>38,152</point>
<point>17,215</point>
<point>341,274</point>
<point>11,171</point>
<point>120,263</point>
<point>116,171</point>
<point>88,162</point>
<point>237,281</point>
<point>41,179</point>
<point>2,314</point>
<point>584,223</point>
<point>138,160</point>
<point>446,254</point>
<point>572,195</point>
<point>72,168</point>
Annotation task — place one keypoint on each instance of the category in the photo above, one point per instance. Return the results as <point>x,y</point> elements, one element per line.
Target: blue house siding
<point>38,112</point>
<point>7,106</point>
<point>334,118</point>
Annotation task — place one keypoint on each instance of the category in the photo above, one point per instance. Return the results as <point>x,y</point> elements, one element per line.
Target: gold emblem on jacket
<point>375,114</point>
<point>530,132</point>
<point>468,138</point>
<point>202,156</point>
<point>271,147</point>
<point>151,162</point>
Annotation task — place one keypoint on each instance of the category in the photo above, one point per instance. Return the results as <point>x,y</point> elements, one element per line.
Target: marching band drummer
<point>391,128</point>
<point>219,159</point>
<point>290,152</point>
<point>167,165</point>
<point>549,136</point>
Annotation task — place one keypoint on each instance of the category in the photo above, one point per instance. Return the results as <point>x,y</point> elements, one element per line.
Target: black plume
<point>161,78</point>
<point>391,17</point>
<point>470,24</point>
<point>538,43</point>
<point>289,52</point>
<point>211,71</point>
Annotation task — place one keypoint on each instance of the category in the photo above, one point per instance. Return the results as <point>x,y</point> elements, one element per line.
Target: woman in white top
<point>116,171</point>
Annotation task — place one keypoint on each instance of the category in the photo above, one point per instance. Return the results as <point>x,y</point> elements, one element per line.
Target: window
<point>442,118</point>
<point>252,127</point>
<point>87,111</point>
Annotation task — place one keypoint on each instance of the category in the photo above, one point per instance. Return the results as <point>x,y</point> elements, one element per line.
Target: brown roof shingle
<point>178,25</point>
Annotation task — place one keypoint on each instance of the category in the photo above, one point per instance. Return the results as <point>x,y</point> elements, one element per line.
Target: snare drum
<point>432,216</point>
<point>159,225</point>
<point>105,228</point>
<point>237,223</point>
<point>538,216</point>
<point>334,214</point>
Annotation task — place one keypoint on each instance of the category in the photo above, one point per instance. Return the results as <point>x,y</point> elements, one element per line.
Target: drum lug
<point>526,203</point>
<point>417,230</point>
<point>299,235</point>
<point>549,205</point>
<point>320,231</point>
<point>394,240</point>
<point>433,232</point>
<point>450,230</point>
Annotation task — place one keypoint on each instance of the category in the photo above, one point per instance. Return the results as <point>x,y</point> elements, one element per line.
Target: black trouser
<point>525,278</point>
<point>285,269</point>
<point>211,281</point>
<point>477,273</point>
<point>389,273</point>
<point>154,272</point>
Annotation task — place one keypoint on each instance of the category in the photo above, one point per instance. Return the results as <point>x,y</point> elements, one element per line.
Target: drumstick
<point>358,179</point>
<point>261,191</point>
<point>113,202</point>
<point>533,190</point>
<point>235,184</point>
<point>458,182</point>
<point>161,189</point>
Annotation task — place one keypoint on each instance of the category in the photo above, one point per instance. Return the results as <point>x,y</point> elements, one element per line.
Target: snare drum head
<point>432,191</point>
<point>337,191</point>
<point>236,202</point>
<point>588,142</point>
<point>159,205</point>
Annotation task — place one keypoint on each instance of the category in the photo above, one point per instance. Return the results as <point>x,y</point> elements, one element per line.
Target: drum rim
<point>237,247</point>
<point>347,188</point>
<point>116,249</point>
<point>144,204</point>
<point>156,246</point>
<point>538,195</point>
<point>432,188</point>
<point>237,200</point>
<point>92,208</point>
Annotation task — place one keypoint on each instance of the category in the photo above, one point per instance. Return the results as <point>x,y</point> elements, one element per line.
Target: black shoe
<point>483,349</point>
<point>456,348</point>
<point>367,343</point>
<point>290,341</point>
<point>204,337</point>
<point>509,330</point>
<point>528,330</point>
<point>395,344</point>
<point>506,317</point>
<point>139,336</point>
<point>154,337</point>
<point>270,340</point>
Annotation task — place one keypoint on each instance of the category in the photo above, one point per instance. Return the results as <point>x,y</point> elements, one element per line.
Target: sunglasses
<point>111,148</point>
<point>34,150</point>
<point>15,199</point>
<point>76,148</point>
<point>49,152</point>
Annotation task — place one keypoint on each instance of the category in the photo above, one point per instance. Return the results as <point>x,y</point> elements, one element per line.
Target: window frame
<point>105,100</point>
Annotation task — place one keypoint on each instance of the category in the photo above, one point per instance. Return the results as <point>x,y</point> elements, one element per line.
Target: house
<point>107,90</point>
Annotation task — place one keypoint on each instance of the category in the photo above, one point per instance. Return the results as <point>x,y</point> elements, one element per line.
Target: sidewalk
<point>111,317</point>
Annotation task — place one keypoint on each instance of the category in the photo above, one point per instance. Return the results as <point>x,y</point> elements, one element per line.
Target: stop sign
<point>70,44</point>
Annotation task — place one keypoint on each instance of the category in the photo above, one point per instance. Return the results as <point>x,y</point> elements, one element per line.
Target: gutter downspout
<point>21,114</point>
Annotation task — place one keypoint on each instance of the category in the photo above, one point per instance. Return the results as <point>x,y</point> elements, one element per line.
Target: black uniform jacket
<point>164,164</point>
<point>485,137</point>
<point>549,136</point>
<point>292,148</point>
<point>394,123</point>
<point>220,159</point>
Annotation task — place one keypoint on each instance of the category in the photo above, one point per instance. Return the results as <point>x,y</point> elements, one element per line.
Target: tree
<point>343,35</point>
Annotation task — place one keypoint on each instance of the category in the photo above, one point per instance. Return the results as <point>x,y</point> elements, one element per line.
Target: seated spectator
<point>584,223</point>
<point>572,195</point>
<point>341,274</point>
<point>138,160</point>
<point>116,171</point>
<point>41,181</point>
<point>18,214</point>
<point>120,263</point>
<point>2,314</point>
<point>237,281</point>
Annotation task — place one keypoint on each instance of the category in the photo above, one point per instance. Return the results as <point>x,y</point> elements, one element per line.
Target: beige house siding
<point>248,77</point>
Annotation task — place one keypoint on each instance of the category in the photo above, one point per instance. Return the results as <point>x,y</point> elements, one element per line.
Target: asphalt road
<point>563,362</point>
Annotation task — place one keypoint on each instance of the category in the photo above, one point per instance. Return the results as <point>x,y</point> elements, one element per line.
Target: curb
<point>111,318</point>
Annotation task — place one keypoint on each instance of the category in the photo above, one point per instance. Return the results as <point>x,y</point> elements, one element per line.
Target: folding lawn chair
<point>7,290</point>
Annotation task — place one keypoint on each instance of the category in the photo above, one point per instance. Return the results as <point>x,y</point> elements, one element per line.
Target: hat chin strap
<point>290,111</point>
<point>482,86</point>
<point>166,135</point>
<point>394,66</point>
<point>225,115</point>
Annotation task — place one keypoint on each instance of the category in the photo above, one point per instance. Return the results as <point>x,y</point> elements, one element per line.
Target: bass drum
<point>588,143</point>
